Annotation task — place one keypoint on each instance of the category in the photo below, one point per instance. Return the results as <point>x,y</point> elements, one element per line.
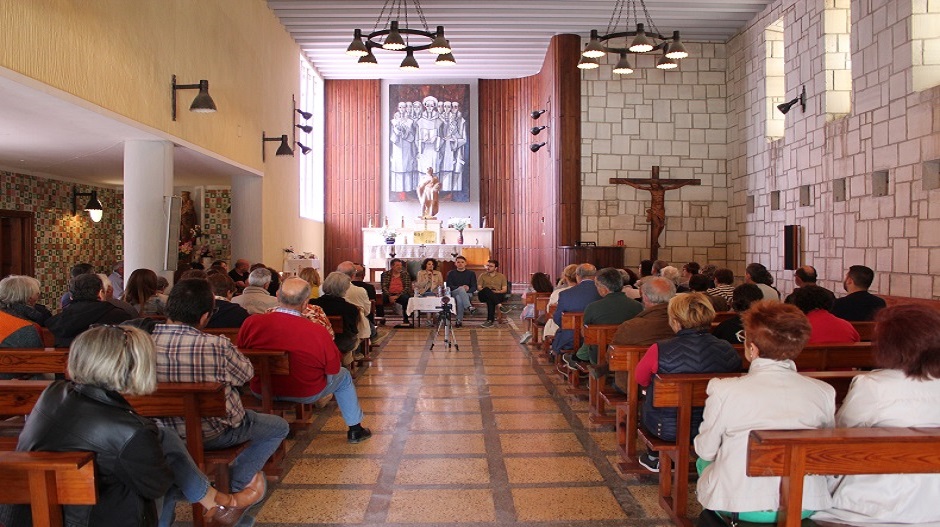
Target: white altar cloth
<point>423,303</point>
<point>292,266</point>
<point>439,252</point>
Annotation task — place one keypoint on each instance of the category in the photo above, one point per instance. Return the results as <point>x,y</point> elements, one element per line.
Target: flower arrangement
<point>458,223</point>
<point>186,247</point>
<point>388,232</point>
<point>289,250</point>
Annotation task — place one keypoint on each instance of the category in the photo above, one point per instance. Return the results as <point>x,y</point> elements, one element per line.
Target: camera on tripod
<point>446,307</point>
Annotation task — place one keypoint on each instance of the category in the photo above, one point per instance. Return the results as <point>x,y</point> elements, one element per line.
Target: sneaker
<point>458,324</point>
<point>570,360</point>
<point>358,436</point>
<point>505,309</point>
<point>472,310</point>
<point>488,324</point>
<point>526,337</point>
<point>649,462</point>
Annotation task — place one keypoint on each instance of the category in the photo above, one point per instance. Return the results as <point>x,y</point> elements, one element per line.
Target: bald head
<point>585,270</point>
<point>242,265</point>
<point>294,293</point>
<point>805,275</point>
<point>347,268</point>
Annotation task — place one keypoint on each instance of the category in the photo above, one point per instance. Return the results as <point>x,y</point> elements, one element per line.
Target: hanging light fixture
<point>283,149</point>
<point>627,15</point>
<point>397,37</point>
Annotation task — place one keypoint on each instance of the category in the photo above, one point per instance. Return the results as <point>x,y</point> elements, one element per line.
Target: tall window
<point>925,44</point>
<point>838,19</point>
<point>774,78</point>
<point>311,165</point>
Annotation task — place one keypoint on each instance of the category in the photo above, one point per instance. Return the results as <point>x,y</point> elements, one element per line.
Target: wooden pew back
<point>46,481</point>
<point>231,333</point>
<point>24,360</point>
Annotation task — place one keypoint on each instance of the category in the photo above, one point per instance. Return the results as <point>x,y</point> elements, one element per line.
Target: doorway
<point>17,241</point>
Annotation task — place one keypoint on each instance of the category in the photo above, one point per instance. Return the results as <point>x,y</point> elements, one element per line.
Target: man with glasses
<point>493,289</point>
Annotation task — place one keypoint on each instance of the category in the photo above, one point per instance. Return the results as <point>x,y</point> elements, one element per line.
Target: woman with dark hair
<point>541,283</point>
<point>905,393</point>
<point>140,291</point>
<point>429,279</point>
<point>732,329</point>
<point>773,395</point>
<point>758,275</point>
<point>815,302</point>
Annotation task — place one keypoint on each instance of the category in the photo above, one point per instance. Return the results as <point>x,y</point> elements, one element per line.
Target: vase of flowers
<point>389,234</point>
<point>459,224</point>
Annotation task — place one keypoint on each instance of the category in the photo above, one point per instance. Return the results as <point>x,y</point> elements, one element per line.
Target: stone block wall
<point>674,119</point>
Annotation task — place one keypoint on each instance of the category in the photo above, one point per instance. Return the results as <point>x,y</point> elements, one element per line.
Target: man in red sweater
<point>315,361</point>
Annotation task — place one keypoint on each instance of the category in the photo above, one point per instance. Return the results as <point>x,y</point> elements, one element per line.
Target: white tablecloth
<point>292,266</point>
<point>423,303</point>
<point>439,252</point>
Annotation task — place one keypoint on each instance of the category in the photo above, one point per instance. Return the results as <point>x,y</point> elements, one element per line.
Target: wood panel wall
<point>533,199</point>
<point>352,166</point>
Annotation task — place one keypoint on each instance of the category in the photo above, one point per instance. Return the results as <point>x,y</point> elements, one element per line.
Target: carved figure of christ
<point>656,213</point>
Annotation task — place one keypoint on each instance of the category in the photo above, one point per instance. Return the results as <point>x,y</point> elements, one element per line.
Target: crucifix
<point>656,214</point>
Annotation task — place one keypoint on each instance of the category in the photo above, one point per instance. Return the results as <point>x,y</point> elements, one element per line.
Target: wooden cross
<point>656,214</point>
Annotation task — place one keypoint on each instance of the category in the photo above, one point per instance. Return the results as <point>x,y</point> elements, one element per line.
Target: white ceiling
<point>50,133</point>
<point>491,39</point>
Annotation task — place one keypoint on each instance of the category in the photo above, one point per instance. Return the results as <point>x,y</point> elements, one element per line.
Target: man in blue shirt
<point>462,284</point>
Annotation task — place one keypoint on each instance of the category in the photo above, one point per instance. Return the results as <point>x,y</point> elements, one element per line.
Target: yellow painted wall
<point>121,54</point>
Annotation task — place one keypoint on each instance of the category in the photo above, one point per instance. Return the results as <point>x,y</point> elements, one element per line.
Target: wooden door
<point>17,234</point>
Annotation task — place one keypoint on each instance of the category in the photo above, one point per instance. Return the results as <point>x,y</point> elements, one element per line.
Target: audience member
<point>652,324</point>
<point>671,273</point>
<point>162,285</point>
<point>493,290</point>
<point>117,279</point>
<point>359,280</point>
<point>197,274</point>
<point>905,392</point>
<point>569,278</point>
<point>396,289</point>
<point>19,296</point>
<point>429,279</point>
<point>239,274</point>
<point>315,369</point>
<point>630,284</point>
<point>313,278</point>
<point>688,271</point>
<point>85,309</point>
<point>17,330</point>
<point>574,300</point>
<point>699,284</point>
<point>221,264</point>
<point>76,270</point>
<point>773,395</point>
<point>724,280</point>
<point>255,297</point>
<point>186,354</point>
<point>658,265</point>
<point>708,271</point>
<point>116,302</point>
<point>539,283</point>
<point>815,302</point>
<point>613,308</point>
<point>462,284</point>
<point>333,303</point>
<point>758,275</point>
<point>693,350</point>
<point>226,313</point>
<point>858,305</point>
<point>806,275</point>
<point>732,329</point>
<point>358,297</point>
<point>141,291</point>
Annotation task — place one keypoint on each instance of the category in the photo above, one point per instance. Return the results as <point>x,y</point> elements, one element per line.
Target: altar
<point>425,239</point>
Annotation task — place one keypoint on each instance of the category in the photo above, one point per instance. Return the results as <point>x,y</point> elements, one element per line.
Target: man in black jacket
<point>227,314</point>
<point>86,308</point>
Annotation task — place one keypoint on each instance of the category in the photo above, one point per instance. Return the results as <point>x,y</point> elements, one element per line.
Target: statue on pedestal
<point>429,187</point>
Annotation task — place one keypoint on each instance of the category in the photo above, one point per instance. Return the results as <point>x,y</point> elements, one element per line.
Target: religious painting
<point>429,141</point>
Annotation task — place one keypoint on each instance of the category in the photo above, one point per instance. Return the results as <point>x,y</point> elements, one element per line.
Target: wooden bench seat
<point>792,454</point>
<point>46,481</point>
<point>28,360</point>
<point>573,320</point>
<point>598,335</point>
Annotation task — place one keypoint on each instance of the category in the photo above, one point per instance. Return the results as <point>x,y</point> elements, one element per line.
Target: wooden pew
<point>46,481</point>
<point>231,333</point>
<point>685,391</point>
<point>268,363</point>
<point>573,320</point>
<point>819,357</point>
<point>598,335</point>
<point>792,454</point>
<point>26,360</point>
<point>865,330</point>
<point>540,301</point>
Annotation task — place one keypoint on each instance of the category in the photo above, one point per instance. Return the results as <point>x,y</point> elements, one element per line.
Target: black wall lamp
<point>283,149</point>
<point>305,127</point>
<point>304,149</point>
<point>537,129</point>
<point>305,115</point>
<point>785,107</point>
<point>537,113</point>
<point>203,102</point>
<point>535,147</point>
<point>94,208</point>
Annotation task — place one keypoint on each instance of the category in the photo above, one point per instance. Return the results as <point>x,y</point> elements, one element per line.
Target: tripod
<point>445,324</point>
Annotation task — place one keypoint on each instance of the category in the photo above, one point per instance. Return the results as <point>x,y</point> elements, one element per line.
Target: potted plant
<point>459,224</point>
<point>389,234</point>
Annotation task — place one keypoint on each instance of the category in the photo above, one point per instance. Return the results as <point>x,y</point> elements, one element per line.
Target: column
<point>148,178</point>
<point>247,220</point>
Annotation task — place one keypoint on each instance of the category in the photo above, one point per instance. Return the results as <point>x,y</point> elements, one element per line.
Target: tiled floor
<point>483,436</point>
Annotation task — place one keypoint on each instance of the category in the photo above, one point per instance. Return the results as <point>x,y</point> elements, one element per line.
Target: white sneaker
<point>526,337</point>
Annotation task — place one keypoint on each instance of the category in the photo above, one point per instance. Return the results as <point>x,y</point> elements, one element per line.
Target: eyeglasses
<point>123,329</point>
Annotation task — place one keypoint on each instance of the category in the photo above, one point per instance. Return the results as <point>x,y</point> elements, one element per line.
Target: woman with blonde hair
<point>568,279</point>
<point>313,278</point>
<point>136,462</point>
<point>693,350</point>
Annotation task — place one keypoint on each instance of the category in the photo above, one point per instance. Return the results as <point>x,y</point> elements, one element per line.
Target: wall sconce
<point>785,107</point>
<point>94,208</point>
<point>535,147</point>
<point>283,150</point>
<point>305,127</point>
<point>537,129</point>
<point>203,103</point>
<point>304,149</point>
<point>305,115</point>
<point>537,113</point>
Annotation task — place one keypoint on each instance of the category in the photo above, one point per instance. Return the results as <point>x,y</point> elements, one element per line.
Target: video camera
<point>446,307</point>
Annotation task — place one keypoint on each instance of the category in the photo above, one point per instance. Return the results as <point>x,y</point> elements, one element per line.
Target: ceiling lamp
<point>633,37</point>
<point>398,37</point>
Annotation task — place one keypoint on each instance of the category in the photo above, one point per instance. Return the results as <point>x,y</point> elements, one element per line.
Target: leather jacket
<point>130,469</point>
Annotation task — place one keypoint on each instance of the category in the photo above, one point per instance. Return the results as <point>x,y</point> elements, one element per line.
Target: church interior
<point>94,105</point>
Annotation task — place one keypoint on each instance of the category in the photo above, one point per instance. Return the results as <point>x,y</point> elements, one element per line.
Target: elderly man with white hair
<point>358,297</point>
<point>255,298</point>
